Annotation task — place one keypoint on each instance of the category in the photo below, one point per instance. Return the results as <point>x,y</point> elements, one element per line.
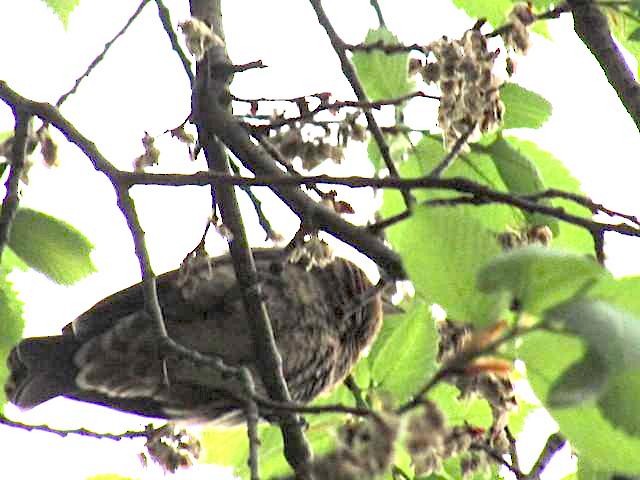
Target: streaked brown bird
<point>322,319</point>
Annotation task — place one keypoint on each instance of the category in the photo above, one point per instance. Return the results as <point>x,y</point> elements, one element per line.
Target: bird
<point>323,318</point>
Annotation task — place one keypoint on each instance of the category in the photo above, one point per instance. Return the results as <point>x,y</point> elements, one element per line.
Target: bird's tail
<point>39,369</point>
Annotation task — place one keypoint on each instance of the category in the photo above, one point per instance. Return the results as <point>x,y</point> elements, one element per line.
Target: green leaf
<point>538,277</point>
<point>474,410</point>
<point>521,176</point>
<point>383,76</point>
<point>11,325</point>
<point>555,175</point>
<point>605,447</point>
<point>619,403</point>
<point>51,246</point>
<point>495,11</point>
<point>582,382</point>
<point>620,292</point>
<point>613,334</point>
<point>475,166</point>
<point>403,356</point>
<point>443,250</point>
<point>225,446</point>
<point>523,108</point>
<point>62,8</point>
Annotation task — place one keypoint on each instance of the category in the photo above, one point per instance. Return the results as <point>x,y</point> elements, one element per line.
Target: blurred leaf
<point>523,108</point>
<point>51,246</point>
<point>383,76</point>
<point>620,292</point>
<point>11,325</point>
<point>62,8</point>
<point>443,250</point>
<point>613,335</point>
<point>521,176</point>
<point>403,357</point>
<point>538,277</point>
<point>582,382</point>
<point>474,410</point>
<point>556,175</point>
<point>224,446</point>
<point>619,403</point>
<point>606,448</point>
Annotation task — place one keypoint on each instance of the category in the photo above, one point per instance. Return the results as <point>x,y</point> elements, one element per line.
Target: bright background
<point>141,86</point>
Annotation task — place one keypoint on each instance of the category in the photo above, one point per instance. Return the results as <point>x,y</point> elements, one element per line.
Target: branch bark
<point>592,28</point>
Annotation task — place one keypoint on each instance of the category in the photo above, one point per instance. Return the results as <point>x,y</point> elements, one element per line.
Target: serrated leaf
<point>582,382</point>
<point>523,108</point>
<point>11,325</point>
<point>383,75</point>
<point>51,246</point>
<point>555,174</point>
<point>62,8</point>
<point>403,357</point>
<point>614,335</point>
<point>443,249</point>
<point>521,176</point>
<point>538,277</point>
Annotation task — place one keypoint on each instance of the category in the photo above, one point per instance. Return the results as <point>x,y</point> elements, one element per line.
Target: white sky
<point>141,86</point>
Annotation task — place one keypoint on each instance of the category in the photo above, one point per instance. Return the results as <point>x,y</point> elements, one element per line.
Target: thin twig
<point>553,444</point>
<point>453,153</point>
<point>252,418</point>
<point>78,431</point>
<point>210,89</point>
<point>456,365</point>
<point>17,161</point>
<point>101,56</point>
<point>378,10</point>
<point>165,19</point>
<point>592,28</point>
<point>264,222</point>
<point>350,73</point>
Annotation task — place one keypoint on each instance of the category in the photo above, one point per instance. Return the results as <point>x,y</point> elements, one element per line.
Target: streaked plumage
<point>108,355</point>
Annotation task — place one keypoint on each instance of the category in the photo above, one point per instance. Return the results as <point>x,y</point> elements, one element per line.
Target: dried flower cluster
<point>463,69</point>
<point>516,38</point>
<point>487,381</point>
<point>150,155</point>
<point>314,252</point>
<point>313,152</point>
<point>365,451</point>
<point>199,37</point>
<point>48,150</point>
<point>430,441</point>
<point>171,449</point>
<point>540,234</point>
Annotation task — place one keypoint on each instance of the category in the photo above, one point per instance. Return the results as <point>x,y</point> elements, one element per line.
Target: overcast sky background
<point>141,86</point>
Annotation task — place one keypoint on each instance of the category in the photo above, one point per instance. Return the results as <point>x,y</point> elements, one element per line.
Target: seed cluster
<point>470,103</point>
<point>517,37</point>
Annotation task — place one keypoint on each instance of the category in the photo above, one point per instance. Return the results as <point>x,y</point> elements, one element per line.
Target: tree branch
<point>350,73</point>
<point>102,54</point>
<point>17,160</point>
<point>592,28</point>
